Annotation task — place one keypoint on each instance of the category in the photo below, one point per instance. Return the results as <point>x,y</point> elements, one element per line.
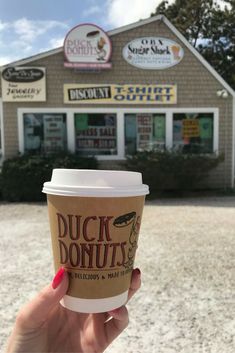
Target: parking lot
<point>187,257</point>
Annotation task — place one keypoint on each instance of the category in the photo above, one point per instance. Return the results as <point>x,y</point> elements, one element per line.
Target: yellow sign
<point>191,128</point>
<point>119,94</point>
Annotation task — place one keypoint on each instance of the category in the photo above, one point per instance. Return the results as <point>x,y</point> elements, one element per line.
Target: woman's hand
<point>43,325</point>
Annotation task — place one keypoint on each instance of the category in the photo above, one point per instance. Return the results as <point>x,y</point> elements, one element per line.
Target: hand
<point>43,325</point>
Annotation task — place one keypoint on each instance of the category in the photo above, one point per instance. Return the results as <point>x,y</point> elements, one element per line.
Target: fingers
<point>35,313</point>
<point>116,324</point>
<point>119,317</point>
<point>134,286</point>
<point>135,283</point>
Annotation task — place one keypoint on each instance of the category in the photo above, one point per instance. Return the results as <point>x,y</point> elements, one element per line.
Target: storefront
<point>142,86</point>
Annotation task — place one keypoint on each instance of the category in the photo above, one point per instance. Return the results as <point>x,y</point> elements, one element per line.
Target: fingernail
<point>58,278</point>
<point>138,272</point>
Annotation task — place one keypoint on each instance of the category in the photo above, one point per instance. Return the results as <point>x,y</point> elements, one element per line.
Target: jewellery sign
<point>87,46</point>
<point>24,84</point>
<point>153,53</point>
<point>119,94</point>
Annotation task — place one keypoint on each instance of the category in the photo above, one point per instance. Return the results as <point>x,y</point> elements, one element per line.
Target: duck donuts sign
<point>87,45</point>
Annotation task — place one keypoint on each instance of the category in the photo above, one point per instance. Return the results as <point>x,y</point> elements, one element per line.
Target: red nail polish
<point>137,270</point>
<point>58,278</point>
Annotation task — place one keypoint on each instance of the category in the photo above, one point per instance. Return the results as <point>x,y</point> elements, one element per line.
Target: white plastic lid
<point>95,183</point>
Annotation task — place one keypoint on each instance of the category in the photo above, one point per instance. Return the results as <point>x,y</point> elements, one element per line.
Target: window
<point>144,132</point>
<point>96,134</point>
<point>193,132</point>
<point>44,133</point>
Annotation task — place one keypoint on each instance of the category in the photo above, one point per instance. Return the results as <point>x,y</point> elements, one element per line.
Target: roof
<point>132,26</point>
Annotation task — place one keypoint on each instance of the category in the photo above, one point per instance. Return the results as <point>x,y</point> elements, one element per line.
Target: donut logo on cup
<point>124,221</point>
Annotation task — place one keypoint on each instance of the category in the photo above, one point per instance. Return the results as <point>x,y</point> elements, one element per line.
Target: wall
<point>196,87</point>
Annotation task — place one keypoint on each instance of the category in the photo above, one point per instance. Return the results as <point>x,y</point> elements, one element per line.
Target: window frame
<point>153,114</point>
<point>120,112</point>
<point>182,145</point>
<point>99,137</point>
<point>42,141</point>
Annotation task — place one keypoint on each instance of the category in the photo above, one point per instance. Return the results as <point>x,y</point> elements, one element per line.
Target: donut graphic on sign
<point>87,43</point>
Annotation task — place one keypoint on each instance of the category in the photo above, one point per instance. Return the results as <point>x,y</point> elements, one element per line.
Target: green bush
<point>169,170</point>
<point>22,177</point>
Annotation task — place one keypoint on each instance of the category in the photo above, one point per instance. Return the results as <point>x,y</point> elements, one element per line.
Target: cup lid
<point>95,183</point>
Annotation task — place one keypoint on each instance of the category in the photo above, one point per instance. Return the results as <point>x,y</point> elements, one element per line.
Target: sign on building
<point>53,132</point>
<point>153,53</point>
<point>119,94</point>
<point>87,46</point>
<point>24,84</point>
<point>191,128</point>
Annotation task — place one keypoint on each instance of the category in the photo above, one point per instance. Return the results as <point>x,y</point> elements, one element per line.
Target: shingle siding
<point>196,87</point>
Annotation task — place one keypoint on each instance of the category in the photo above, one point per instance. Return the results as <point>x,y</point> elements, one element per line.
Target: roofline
<point>132,26</point>
<point>34,57</point>
<point>199,57</point>
<point>136,24</point>
<point>182,39</point>
<point>60,49</point>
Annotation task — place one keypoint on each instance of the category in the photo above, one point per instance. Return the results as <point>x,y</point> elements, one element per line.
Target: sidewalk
<point>187,257</point>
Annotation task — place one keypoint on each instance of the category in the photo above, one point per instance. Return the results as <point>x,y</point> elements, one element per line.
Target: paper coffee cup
<point>95,219</point>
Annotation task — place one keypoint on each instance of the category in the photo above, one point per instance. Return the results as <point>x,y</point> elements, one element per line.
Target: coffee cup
<point>95,218</point>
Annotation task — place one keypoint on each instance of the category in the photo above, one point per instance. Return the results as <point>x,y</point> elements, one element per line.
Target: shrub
<point>170,170</point>
<point>22,177</point>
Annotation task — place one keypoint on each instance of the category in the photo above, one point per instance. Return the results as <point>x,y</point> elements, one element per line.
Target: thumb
<point>35,313</point>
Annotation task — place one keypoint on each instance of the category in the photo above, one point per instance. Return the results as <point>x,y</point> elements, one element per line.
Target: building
<point>141,86</point>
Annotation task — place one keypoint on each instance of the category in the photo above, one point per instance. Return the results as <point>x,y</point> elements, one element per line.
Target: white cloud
<point>53,43</point>
<point>6,59</point>
<point>3,25</point>
<point>122,12</point>
<point>29,30</point>
<point>222,4</point>
<point>93,10</point>
<point>56,42</point>
<point>24,37</point>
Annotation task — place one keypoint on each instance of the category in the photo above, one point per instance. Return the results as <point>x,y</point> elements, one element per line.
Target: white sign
<point>144,131</point>
<point>53,132</point>
<point>153,53</point>
<point>87,45</point>
<point>24,84</point>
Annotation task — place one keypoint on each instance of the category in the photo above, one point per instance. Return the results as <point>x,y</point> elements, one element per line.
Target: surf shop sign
<point>87,46</point>
<point>153,53</point>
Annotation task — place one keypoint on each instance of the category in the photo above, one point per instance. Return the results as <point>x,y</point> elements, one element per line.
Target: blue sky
<point>28,27</point>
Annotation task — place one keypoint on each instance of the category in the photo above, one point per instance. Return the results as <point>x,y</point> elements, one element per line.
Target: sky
<point>29,27</point>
